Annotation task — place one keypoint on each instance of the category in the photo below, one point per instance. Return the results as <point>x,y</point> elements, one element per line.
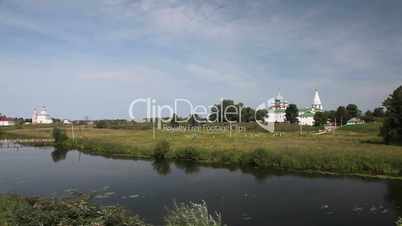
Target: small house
<point>4,121</point>
<point>355,121</point>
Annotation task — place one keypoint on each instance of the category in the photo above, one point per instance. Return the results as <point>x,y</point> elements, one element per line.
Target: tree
<point>379,112</point>
<point>248,114</point>
<point>342,115</point>
<point>368,116</point>
<point>194,120</point>
<point>174,119</point>
<point>391,131</point>
<point>331,115</point>
<point>320,118</point>
<point>292,113</point>
<point>353,111</point>
<point>226,108</point>
<point>261,114</point>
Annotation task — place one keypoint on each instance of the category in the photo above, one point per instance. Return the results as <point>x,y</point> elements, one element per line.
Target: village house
<point>4,121</point>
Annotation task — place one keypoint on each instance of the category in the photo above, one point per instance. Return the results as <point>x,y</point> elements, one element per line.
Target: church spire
<point>317,101</point>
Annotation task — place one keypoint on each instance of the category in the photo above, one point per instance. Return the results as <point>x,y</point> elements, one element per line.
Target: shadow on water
<point>394,195</point>
<point>162,167</point>
<point>59,154</point>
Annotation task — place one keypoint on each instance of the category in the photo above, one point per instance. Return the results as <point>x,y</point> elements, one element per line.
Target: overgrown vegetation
<point>59,136</point>
<point>78,210</point>
<point>192,214</point>
<point>161,150</point>
<point>15,210</point>
<point>391,131</point>
<point>399,222</point>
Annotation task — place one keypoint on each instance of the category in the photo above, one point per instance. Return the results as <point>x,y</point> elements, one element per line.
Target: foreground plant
<point>192,214</point>
<point>399,222</point>
<point>15,210</point>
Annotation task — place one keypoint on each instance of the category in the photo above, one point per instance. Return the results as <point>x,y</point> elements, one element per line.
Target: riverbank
<point>79,210</point>
<point>354,150</point>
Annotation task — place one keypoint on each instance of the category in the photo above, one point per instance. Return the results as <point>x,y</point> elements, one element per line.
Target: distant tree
<point>261,114</point>
<point>194,120</point>
<point>248,114</point>
<point>331,115</point>
<point>379,112</point>
<point>391,131</point>
<point>320,118</point>
<point>368,116</point>
<point>353,111</point>
<point>292,113</point>
<point>174,119</point>
<point>342,115</point>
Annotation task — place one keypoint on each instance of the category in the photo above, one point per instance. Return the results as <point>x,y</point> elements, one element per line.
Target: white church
<point>278,105</point>
<point>41,117</point>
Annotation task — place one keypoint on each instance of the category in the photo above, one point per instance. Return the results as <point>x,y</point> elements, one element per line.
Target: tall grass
<point>71,211</point>
<point>192,214</point>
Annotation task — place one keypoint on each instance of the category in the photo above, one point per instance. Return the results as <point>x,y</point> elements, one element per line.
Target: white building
<point>277,110</point>
<point>4,121</point>
<point>67,122</point>
<point>306,115</point>
<point>41,117</point>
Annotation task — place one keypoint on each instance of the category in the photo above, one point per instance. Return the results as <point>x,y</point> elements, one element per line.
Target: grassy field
<point>350,150</point>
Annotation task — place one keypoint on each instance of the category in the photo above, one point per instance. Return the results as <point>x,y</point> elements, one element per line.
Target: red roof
<point>4,118</point>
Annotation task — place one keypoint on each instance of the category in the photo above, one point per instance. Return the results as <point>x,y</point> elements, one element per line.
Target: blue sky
<point>93,57</point>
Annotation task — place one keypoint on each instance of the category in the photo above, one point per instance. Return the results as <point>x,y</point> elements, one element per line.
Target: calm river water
<point>244,198</point>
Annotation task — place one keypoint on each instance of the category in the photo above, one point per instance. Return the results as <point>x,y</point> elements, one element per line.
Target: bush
<point>188,153</point>
<point>192,214</point>
<point>70,211</point>
<point>59,136</point>
<point>399,222</point>
<point>258,158</point>
<point>161,150</point>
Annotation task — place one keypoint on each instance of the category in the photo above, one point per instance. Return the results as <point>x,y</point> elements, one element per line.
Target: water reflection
<point>59,154</point>
<point>188,167</point>
<point>162,167</point>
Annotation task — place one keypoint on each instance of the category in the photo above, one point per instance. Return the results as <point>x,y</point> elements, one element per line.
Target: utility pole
<point>72,132</point>
<point>230,129</point>
<point>153,128</point>
<point>301,129</point>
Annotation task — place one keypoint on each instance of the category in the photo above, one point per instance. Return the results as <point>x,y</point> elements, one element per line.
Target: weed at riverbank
<point>17,210</point>
<point>192,214</point>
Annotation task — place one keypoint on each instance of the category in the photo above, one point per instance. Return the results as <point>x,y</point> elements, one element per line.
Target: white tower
<point>317,102</point>
<point>34,116</point>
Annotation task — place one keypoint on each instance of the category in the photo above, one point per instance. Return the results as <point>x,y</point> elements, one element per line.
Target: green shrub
<point>59,136</point>
<point>68,212</point>
<point>188,153</point>
<point>192,214</point>
<point>399,222</point>
<point>161,149</point>
<point>258,158</point>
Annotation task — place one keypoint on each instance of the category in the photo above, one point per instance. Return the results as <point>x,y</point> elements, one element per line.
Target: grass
<point>78,210</point>
<point>353,150</point>
<point>17,210</point>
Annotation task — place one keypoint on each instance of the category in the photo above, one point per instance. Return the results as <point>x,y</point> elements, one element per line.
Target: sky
<point>92,58</point>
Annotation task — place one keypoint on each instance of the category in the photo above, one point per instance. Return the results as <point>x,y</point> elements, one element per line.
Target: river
<point>244,197</point>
